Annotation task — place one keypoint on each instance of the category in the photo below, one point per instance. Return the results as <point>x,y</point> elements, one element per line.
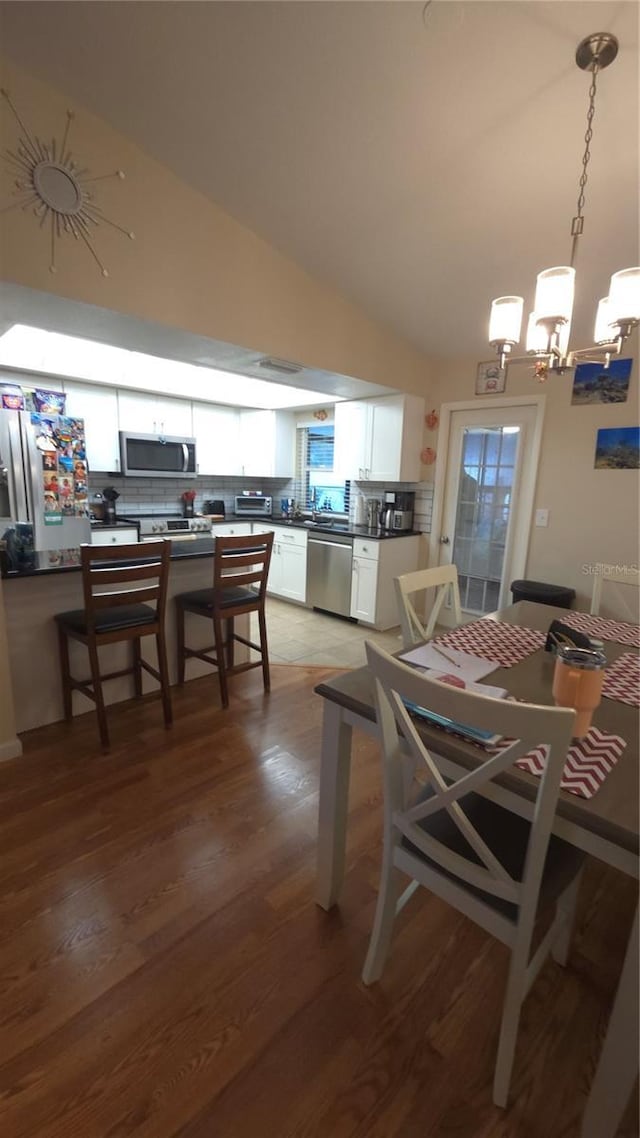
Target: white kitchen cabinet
<point>98,406</point>
<point>364,585</point>
<point>375,564</point>
<point>351,434</point>
<point>290,555</point>
<point>123,535</point>
<point>288,570</point>
<point>217,433</point>
<point>379,440</point>
<point>149,414</point>
<point>222,529</point>
<point>267,444</point>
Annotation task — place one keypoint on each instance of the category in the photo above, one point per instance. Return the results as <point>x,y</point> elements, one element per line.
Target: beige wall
<point>593,513</point>
<point>191,266</point>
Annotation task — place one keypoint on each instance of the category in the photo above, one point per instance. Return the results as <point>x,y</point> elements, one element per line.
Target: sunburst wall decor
<point>49,180</point>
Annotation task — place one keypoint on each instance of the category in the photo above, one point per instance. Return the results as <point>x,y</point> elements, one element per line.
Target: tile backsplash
<point>139,495</point>
<point>423,503</point>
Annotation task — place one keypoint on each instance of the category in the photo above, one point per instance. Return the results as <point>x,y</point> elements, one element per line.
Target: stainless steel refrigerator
<point>43,478</point>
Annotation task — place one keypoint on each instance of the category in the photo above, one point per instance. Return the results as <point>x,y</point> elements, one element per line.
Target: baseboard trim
<point>12,749</point>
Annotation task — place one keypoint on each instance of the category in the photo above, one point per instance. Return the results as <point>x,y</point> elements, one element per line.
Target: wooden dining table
<point>605,826</point>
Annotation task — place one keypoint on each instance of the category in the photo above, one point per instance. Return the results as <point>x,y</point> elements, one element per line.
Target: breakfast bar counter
<point>31,601</point>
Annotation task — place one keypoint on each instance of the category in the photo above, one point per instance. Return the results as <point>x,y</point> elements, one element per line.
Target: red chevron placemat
<point>588,763</point>
<point>507,644</point>
<point>603,629</point>
<point>622,679</point>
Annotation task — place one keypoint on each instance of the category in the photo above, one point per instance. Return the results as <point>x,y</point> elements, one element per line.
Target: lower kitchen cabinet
<point>375,564</point>
<point>288,570</point>
<point>232,528</point>
<point>120,535</point>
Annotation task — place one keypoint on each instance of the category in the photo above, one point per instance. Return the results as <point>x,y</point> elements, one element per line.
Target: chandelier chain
<point>577,224</point>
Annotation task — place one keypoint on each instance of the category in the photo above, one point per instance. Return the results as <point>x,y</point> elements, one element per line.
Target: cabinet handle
<point>154,427</point>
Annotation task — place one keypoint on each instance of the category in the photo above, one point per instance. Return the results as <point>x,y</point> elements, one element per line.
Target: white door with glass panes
<point>486,518</point>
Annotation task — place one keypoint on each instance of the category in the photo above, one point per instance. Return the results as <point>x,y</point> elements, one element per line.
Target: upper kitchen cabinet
<point>267,444</point>
<point>98,406</point>
<point>150,414</point>
<point>379,440</point>
<point>217,434</point>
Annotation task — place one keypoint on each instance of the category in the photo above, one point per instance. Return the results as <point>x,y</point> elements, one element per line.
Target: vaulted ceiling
<point>421,158</point>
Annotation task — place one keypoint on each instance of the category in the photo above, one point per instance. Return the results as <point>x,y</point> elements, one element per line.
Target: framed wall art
<point>595,383</point>
<point>618,448</point>
<point>491,379</point>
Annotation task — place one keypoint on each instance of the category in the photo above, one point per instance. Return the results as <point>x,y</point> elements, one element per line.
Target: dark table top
<point>612,812</point>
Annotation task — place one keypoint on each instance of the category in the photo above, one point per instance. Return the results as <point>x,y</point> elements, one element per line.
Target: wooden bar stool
<point>141,574</point>
<point>240,571</point>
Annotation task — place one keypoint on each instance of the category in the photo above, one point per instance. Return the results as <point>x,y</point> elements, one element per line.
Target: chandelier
<point>547,343</point>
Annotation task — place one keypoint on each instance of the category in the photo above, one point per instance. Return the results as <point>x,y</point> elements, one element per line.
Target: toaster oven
<point>253,505</point>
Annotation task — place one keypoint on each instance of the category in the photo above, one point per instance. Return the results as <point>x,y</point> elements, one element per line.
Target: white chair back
<point>627,607</point>
<point>465,847</point>
<point>406,757</point>
<point>442,578</point>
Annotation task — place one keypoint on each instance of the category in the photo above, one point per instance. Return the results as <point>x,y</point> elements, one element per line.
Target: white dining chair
<point>618,575</point>
<point>445,834</point>
<point>442,578</point>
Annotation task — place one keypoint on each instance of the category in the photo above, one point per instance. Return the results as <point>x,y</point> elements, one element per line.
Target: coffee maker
<point>399,507</point>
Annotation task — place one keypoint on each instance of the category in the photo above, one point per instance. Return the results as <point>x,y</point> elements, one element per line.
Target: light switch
<point>542,517</point>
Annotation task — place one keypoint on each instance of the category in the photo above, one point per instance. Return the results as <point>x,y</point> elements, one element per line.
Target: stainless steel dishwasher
<point>329,564</point>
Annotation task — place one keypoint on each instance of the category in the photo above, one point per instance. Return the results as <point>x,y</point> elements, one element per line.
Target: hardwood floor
<point>164,970</point>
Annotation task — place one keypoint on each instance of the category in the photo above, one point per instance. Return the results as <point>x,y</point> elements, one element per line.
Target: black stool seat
<point>204,599</point>
<point>109,620</point>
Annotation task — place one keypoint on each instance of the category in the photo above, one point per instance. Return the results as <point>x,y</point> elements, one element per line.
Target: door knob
<point>444,540</point>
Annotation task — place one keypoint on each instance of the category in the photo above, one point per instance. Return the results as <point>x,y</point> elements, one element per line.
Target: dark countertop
<point>347,529</point>
<point>201,546</point>
<point>180,551</point>
<point>96,525</point>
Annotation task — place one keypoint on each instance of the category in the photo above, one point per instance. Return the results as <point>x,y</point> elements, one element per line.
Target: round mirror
<point>57,188</point>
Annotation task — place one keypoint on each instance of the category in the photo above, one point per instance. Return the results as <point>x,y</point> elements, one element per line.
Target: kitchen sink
<point>331,527</point>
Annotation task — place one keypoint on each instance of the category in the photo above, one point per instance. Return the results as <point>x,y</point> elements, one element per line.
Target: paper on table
<point>468,685</point>
<point>469,668</point>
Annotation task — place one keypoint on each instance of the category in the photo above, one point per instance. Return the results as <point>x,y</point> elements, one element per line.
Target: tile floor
<point>298,635</point>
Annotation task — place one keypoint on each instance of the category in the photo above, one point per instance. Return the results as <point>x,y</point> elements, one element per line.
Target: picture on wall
<point>594,383</point>
<point>490,378</point>
<point>618,448</point>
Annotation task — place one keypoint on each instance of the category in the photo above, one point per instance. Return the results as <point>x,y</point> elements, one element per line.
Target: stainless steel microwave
<point>157,456</point>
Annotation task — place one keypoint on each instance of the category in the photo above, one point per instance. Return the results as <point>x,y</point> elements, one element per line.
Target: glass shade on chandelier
<point>505,320</point>
<point>624,296</point>
<point>549,325</point>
